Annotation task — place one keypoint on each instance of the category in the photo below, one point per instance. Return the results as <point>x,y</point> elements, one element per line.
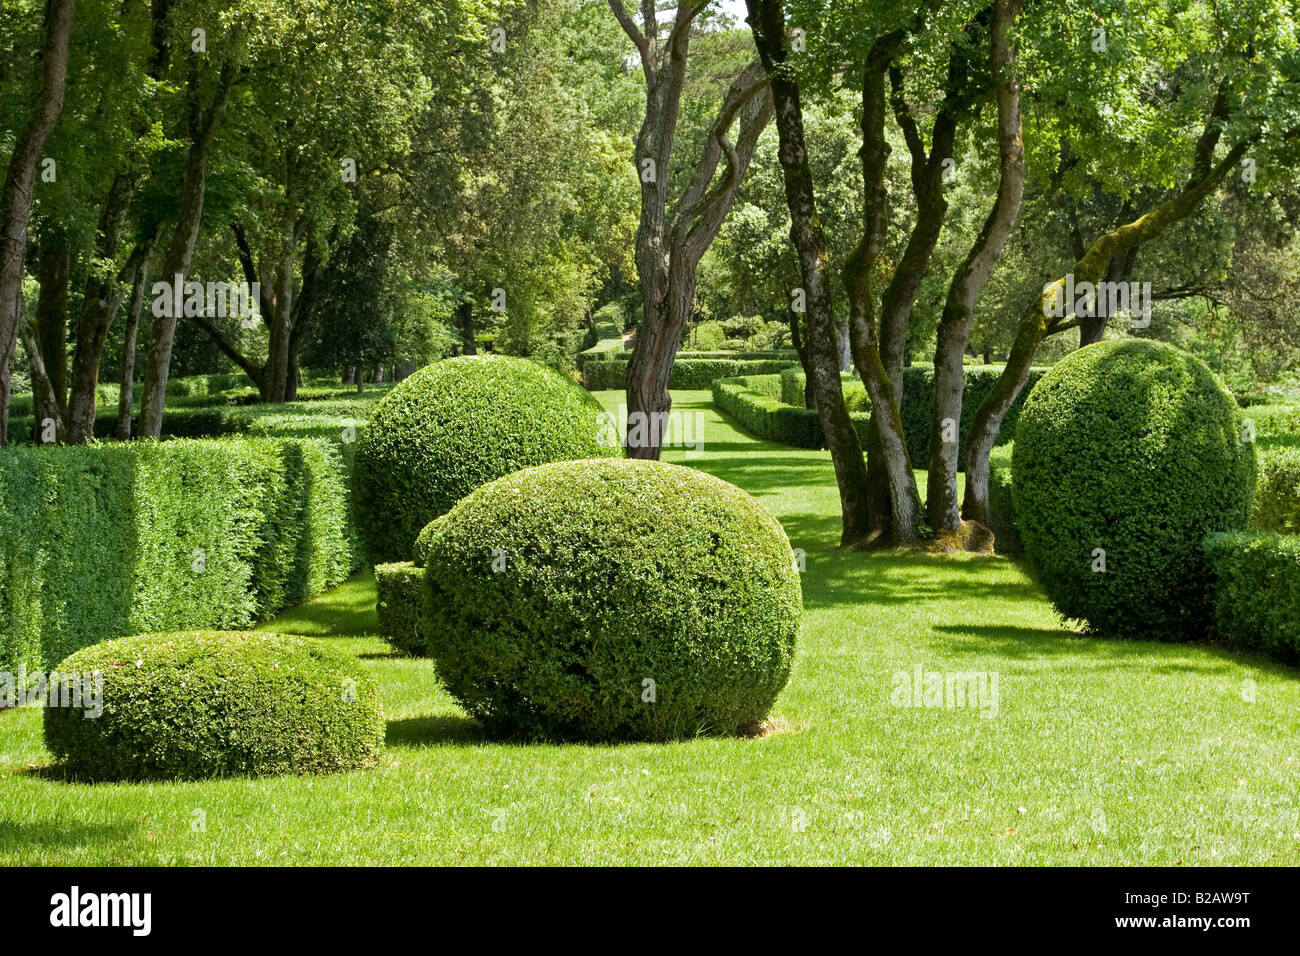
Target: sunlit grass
<point>1101,752</point>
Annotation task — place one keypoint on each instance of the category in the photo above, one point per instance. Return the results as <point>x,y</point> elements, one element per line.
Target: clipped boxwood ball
<point>214,704</point>
<point>611,600</point>
<point>1127,455</point>
<point>453,426</point>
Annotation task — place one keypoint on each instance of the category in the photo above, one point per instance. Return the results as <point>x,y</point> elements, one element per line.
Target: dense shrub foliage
<point>453,426</point>
<point>399,590</point>
<point>97,542</point>
<point>1133,449</point>
<point>612,600</point>
<point>687,373</point>
<point>918,403</point>
<point>209,704</point>
<point>1277,495</point>
<point>1256,592</point>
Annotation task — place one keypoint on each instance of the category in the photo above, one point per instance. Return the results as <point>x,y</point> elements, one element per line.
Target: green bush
<point>559,600</point>
<point>1256,592</point>
<point>101,541</point>
<point>1277,495</point>
<point>207,704</point>
<point>399,588</point>
<point>455,425</point>
<point>1133,448</point>
<point>686,374</point>
<point>1273,421</point>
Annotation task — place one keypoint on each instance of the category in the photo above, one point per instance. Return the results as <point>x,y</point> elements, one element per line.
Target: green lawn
<point>1101,752</point>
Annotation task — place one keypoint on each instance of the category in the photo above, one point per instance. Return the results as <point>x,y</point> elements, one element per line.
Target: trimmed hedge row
<point>194,705</point>
<point>99,542</point>
<point>688,373</point>
<point>1002,509</point>
<point>1255,598</point>
<point>399,590</point>
<point>752,402</point>
<point>918,402</point>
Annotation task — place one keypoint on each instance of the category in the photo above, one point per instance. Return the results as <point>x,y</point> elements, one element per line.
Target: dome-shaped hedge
<point>611,600</point>
<point>213,704</point>
<point>453,426</point>
<point>1129,453</point>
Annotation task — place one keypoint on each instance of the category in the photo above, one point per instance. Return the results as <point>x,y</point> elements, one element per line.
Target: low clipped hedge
<point>751,402</point>
<point>611,600</point>
<point>687,373</point>
<point>918,403</point>
<point>458,424</point>
<point>103,541</point>
<point>1135,449</point>
<point>208,704</point>
<point>399,590</point>
<point>1256,592</point>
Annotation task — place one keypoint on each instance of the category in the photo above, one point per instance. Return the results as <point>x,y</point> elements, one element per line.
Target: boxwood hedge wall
<point>103,541</point>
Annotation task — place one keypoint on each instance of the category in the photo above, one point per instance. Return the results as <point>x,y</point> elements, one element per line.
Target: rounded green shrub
<point>453,426</point>
<point>213,704</point>
<point>611,600</point>
<point>1127,455</point>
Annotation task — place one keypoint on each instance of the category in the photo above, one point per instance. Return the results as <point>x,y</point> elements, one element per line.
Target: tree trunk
<point>904,499</point>
<point>176,263</point>
<point>54,261</point>
<point>20,179</point>
<point>942,507</point>
<point>767,21</point>
<point>465,323</point>
<point>126,395</point>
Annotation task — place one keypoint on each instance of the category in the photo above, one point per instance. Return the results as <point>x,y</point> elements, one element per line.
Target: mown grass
<point>1101,752</point>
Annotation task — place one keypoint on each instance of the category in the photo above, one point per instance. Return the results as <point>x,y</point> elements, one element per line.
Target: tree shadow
<point>61,834</point>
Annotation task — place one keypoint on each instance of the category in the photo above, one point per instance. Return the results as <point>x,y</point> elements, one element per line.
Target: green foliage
<point>1277,495</point>
<point>101,541</point>
<point>1133,448</point>
<point>200,704</point>
<point>399,589</point>
<point>453,426</point>
<point>615,573</point>
<point>687,373</point>
<point>1256,592</point>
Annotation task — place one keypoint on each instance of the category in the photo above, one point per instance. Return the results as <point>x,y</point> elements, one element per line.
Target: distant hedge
<point>194,705</point>
<point>1255,592</point>
<point>1002,509</point>
<point>399,593</point>
<point>1277,493</point>
<point>918,403</point>
<point>102,541</point>
<point>752,401</point>
<point>687,373</point>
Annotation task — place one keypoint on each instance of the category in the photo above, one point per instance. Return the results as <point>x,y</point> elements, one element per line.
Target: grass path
<point>1101,752</point>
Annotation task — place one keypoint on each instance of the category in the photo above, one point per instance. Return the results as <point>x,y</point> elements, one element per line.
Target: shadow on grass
<point>434,731</point>
<point>61,834</point>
